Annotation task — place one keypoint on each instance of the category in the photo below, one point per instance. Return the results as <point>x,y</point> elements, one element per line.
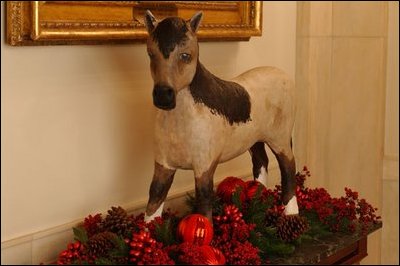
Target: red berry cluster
<point>239,253</point>
<point>231,234</point>
<point>192,254</point>
<point>301,177</point>
<point>274,196</point>
<point>187,253</point>
<point>338,213</point>
<point>349,209</point>
<point>231,225</point>
<point>92,223</point>
<point>139,222</point>
<point>141,225</point>
<point>146,250</point>
<point>74,254</point>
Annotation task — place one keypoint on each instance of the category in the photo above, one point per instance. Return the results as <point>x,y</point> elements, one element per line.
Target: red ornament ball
<point>229,186</point>
<point>252,187</point>
<point>196,229</point>
<point>212,256</point>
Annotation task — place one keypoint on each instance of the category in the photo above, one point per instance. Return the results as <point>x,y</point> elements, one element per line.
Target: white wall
<point>77,122</point>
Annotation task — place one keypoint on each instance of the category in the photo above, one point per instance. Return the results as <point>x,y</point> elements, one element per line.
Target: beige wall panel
<point>360,18</point>
<point>356,137</point>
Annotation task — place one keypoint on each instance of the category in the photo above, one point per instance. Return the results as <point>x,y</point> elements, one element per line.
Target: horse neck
<point>203,77</point>
<point>222,97</point>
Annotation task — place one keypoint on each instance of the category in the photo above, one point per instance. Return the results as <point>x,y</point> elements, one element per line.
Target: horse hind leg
<point>260,162</point>
<point>287,166</point>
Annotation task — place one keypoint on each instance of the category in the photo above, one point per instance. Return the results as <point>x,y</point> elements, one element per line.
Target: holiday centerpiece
<point>248,227</point>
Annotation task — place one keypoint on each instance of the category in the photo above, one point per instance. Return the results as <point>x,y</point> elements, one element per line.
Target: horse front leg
<point>160,185</point>
<point>204,182</point>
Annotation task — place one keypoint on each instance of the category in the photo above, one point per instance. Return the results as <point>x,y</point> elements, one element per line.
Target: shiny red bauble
<point>212,256</point>
<point>252,187</point>
<point>229,186</point>
<point>196,229</point>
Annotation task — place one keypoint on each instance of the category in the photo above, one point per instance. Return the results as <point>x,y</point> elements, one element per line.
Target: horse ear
<point>149,21</point>
<point>195,21</point>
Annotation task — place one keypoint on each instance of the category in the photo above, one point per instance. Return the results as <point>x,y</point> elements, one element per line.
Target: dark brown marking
<point>288,171</point>
<point>159,187</point>
<point>204,191</point>
<point>169,33</point>
<point>225,98</point>
<point>259,158</point>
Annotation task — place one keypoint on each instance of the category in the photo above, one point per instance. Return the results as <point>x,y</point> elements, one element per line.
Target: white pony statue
<point>202,120</point>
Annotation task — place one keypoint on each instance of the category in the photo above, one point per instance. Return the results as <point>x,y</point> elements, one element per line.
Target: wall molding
<point>391,167</point>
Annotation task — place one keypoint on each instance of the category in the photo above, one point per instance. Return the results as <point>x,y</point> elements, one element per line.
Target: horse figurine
<point>203,120</point>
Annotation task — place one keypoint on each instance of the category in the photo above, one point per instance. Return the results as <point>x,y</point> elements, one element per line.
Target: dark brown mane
<point>169,33</point>
<point>225,98</point>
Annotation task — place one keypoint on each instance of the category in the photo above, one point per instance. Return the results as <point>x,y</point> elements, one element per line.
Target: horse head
<point>173,51</point>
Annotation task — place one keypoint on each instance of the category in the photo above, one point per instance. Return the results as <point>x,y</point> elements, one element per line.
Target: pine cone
<point>290,227</point>
<point>271,217</point>
<point>100,244</point>
<point>118,222</point>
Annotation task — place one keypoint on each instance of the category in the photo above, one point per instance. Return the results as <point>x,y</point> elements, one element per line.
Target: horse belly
<point>239,140</point>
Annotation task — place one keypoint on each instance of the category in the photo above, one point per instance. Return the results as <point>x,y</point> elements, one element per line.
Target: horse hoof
<point>291,208</point>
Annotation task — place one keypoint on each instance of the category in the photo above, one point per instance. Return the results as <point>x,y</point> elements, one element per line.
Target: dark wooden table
<point>337,248</point>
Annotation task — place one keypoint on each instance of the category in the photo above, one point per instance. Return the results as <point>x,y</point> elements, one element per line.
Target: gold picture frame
<point>99,22</point>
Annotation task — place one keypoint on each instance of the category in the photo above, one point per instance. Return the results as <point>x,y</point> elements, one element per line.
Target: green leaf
<point>121,248</point>
<point>166,232</point>
<point>80,234</point>
<point>236,199</point>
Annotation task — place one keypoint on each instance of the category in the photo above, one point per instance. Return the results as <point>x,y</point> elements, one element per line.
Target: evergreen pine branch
<point>316,227</point>
<point>236,199</point>
<point>80,234</point>
<point>121,248</point>
<point>256,210</point>
<point>165,232</point>
<point>270,245</point>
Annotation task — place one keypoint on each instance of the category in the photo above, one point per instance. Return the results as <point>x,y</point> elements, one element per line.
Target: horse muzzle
<point>164,97</point>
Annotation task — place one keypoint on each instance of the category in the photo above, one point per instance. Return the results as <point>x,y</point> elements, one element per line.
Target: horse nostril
<point>170,94</point>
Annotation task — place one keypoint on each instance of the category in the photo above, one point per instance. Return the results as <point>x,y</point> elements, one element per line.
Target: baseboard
<point>44,246</point>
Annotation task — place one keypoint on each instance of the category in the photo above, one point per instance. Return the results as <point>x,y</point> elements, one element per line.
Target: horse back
<point>271,93</point>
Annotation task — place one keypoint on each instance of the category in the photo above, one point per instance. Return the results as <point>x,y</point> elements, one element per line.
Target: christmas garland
<point>249,227</point>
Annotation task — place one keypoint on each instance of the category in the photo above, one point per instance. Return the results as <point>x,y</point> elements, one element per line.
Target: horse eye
<point>185,57</point>
<point>150,54</point>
